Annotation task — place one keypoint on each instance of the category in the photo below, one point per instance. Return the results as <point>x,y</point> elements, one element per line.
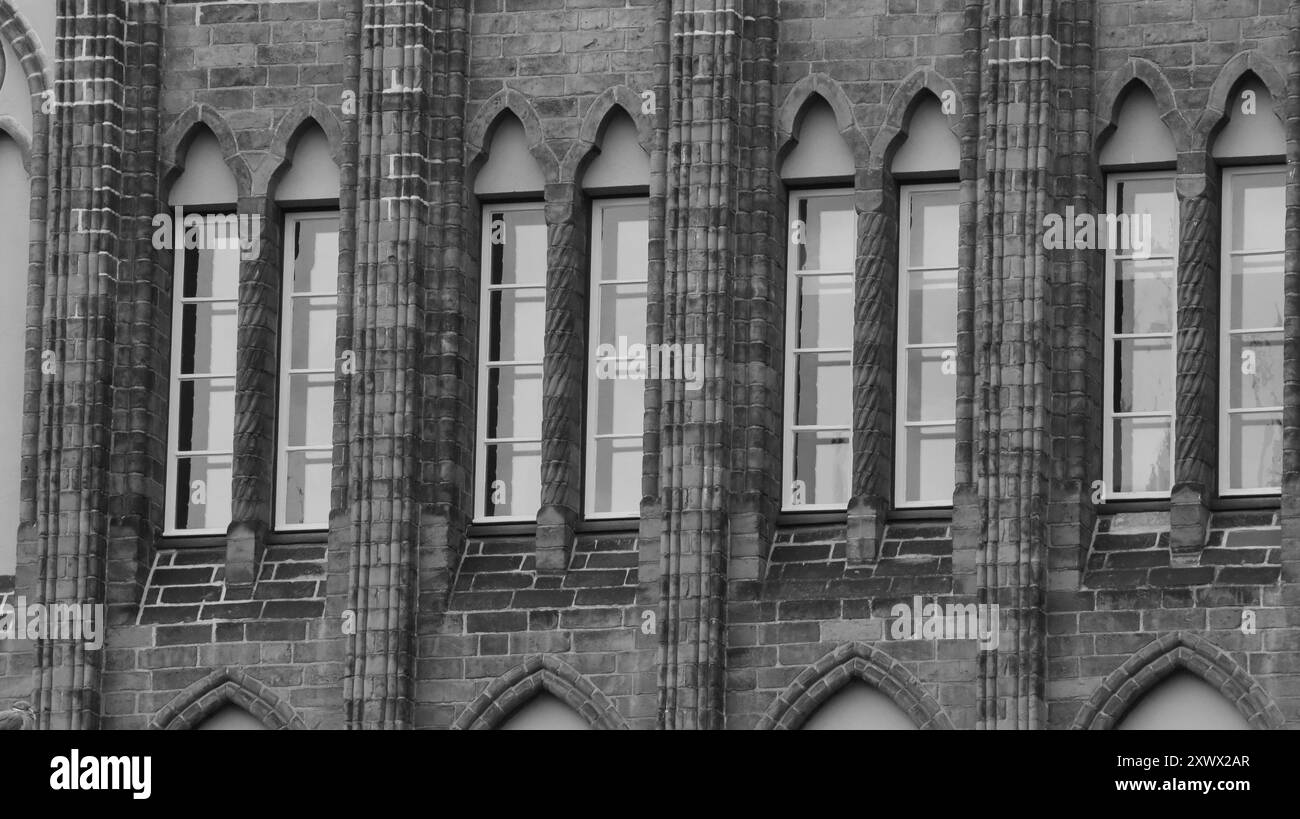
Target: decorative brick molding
<point>1149,75</point>
<point>820,681</point>
<point>536,673</point>
<point>1160,658</point>
<point>226,685</point>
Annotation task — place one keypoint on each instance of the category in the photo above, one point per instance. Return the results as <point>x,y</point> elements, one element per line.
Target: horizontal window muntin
<point>926,374</point>
<point>1252,332</point>
<point>818,431</point>
<point>508,463</point>
<point>616,407</point>
<point>1141,361</point>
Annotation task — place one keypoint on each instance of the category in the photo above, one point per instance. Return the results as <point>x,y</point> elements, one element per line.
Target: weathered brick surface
<point>711,610</point>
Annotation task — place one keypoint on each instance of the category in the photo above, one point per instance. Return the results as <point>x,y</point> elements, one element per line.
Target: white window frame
<point>282,447</point>
<point>598,208</point>
<point>1108,340</point>
<point>902,347</point>
<point>481,402</point>
<point>1227,192</point>
<point>792,350</point>
<point>174,387</point>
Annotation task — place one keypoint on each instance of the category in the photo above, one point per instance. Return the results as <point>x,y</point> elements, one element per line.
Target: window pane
<point>203,492</point>
<point>312,328</point>
<point>1255,291</point>
<point>310,408</point>
<point>930,454</point>
<point>1142,454</point>
<point>1144,374</point>
<point>931,306</point>
<point>824,391</point>
<point>1144,296</point>
<point>316,262</point>
<point>830,233</point>
<point>307,487</point>
<point>519,257</point>
<point>618,469</point>
<point>1255,370</point>
<point>620,404</point>
<point>1258,211</point>
<point>823,462</point>
<point>209,335</point>
<point>933,230</point>
<point>825,311</point>
<point>622,313</point>
<point>513,479</point>
<point>210,273</point>
<point>207,415</point>
<point>1255,450</point>
<point>519,323</point>
<point>1154,197</point>
<point>931,392</point>
<point>514,402</point>
<point>625,240</point>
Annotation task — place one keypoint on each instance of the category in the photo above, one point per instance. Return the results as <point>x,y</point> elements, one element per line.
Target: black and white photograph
<point>649,365</point>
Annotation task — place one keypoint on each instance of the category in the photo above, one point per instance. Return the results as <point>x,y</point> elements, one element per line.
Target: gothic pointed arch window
<point>1140,236</point>
<point>544,712</point>
<point>1182,702</point>
<point>1250,150</point>
<point>822,248</point>
<point>859,706</point>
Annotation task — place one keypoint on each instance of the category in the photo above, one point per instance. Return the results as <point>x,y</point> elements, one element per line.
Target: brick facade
<point>713,609</point>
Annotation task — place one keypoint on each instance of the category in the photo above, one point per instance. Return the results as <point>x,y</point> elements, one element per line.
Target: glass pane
<point>316,262</point>
<point>622,313</point>
<point>1145,300</point>
<point>617,476</point>
<point>307,488</point>
<point>211,273</point>
<point>625,243</point>
<point>1255,284</point>
<point>1255,450</point>
<point>1255,370</point>
<point>620,405</point>
<point>1144,374</point>
<point>518,324</point>
<point>518,246</point>
<point>1143,458</point>
<point>1258,211</point>
<point>310,409</point>
<point>824,390</point>
<point>1154,198</point>
<point>930,465</point>
<point>209,333</point>
<point>514,399</point>
<point>825,311</point>
<point>823,462</point>
<point>830,233</point>
<point>513,480</point>
<point>202,492</point>
<point>931,306</point>
<point>933,233</point>
<point>931,380</point>
<point>314,332</point>
<point>206,415</point>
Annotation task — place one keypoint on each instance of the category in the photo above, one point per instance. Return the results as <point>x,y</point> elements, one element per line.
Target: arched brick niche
<point>205,698</point>
<point>514,689</point>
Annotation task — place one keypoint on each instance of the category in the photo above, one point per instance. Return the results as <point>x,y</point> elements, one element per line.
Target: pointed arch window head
<point>312,174</point>
<point>621,163</point>
<point>819,154</point>
<point>1140,139</point>
<point>545,712</point>
<point>1182,702</point>
<point>206,180</point>
<point>510,168</point>
<point>1253,133</point>
<point>859,706</point>
<point>930,149</point>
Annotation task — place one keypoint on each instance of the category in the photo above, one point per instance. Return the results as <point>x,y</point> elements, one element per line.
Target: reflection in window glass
<point>307,364</point>
<point>512,343</point>
<point>927,346</point>
<point>1250,449</point>
<point>204,334</point>
<point>616,399</point>
<point>819,351</point>
<point>1141,294</point>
